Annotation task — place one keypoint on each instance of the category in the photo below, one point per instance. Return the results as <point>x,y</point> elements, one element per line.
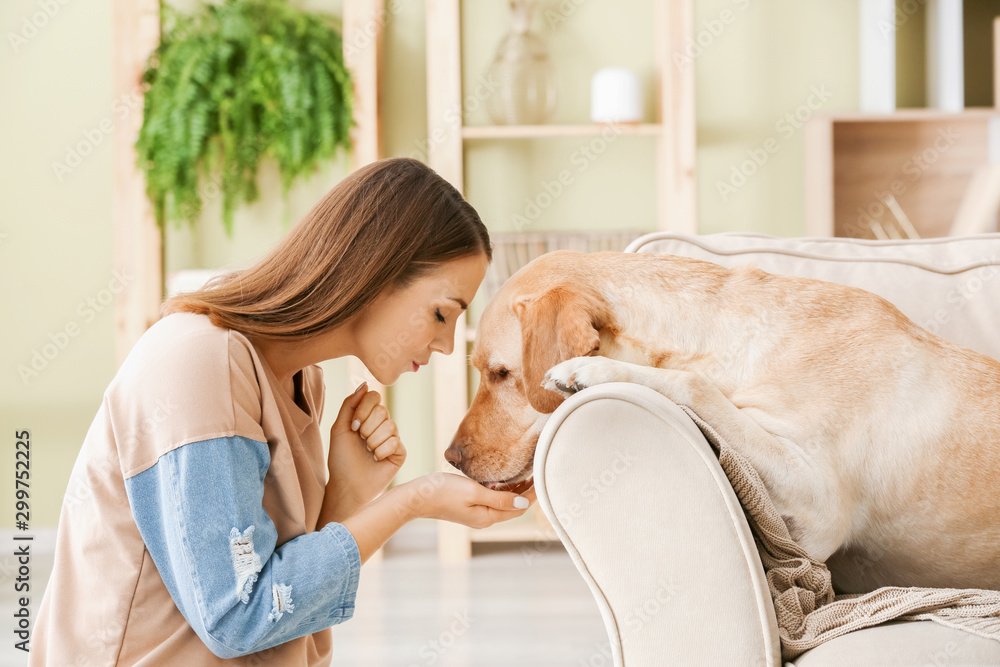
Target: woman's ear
<point>555,326</point>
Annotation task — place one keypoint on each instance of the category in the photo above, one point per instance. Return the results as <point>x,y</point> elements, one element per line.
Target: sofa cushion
<point>903,644</point>
<point>950,285</point>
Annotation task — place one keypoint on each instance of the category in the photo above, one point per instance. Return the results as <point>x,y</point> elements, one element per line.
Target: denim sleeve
<point>199,510</point>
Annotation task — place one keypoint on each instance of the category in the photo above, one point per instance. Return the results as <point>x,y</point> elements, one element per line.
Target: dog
<point>878,441</point>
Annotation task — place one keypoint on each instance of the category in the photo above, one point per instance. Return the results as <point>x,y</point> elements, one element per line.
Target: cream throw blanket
<point>808,611</point>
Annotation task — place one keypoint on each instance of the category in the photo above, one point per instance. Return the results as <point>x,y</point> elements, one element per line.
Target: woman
<point>200,522</point>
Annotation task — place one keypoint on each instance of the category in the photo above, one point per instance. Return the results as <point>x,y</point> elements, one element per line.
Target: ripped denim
<point>199,511</point>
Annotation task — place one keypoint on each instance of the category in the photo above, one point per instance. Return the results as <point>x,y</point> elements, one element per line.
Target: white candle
<point>615,96</point>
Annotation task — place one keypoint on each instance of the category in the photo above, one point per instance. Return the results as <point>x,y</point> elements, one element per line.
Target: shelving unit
<point>941,168</point>
<point>925,158</point>
<point>539,131</point>
<point>674,175</point>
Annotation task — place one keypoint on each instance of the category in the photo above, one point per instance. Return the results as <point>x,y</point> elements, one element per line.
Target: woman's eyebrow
<point>459,302</point>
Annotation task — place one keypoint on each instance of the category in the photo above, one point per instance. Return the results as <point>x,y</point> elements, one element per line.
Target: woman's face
<point>400,329</point>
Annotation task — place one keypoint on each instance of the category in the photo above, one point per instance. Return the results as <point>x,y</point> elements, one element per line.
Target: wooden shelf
<point>905,115</point>
<point>674,173</point>
<point>925,158</point>
<point>543,131</point>
<point>937,165</point>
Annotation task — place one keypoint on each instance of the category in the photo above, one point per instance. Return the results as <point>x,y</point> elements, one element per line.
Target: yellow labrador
<point>878,441</point>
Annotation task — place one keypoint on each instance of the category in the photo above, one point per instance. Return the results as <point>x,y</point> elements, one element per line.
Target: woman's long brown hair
<point>381,227</point>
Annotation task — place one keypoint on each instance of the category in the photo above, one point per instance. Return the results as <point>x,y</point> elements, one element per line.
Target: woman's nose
<point>444,344</point>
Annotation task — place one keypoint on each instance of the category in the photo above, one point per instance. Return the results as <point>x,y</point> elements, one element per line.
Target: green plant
<point>234,83</point>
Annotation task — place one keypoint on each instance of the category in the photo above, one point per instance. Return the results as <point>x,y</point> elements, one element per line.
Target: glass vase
<point>526,92</point>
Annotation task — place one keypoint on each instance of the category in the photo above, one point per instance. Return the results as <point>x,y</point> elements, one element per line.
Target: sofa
<point>636,494</point>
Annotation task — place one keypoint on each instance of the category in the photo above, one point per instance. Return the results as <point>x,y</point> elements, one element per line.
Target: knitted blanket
<point>808,611</point>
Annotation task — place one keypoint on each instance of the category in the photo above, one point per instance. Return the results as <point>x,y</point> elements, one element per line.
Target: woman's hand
<point>440,495</point>
<point>455,498</point>
<point>365,454</point>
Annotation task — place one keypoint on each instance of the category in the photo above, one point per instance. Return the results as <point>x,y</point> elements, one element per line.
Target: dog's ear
<point>555,326</point>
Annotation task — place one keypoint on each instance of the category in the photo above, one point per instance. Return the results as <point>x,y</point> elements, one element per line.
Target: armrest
<point>638,498</point>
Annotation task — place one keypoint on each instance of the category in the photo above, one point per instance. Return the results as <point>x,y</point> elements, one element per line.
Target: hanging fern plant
<point>232,84</point>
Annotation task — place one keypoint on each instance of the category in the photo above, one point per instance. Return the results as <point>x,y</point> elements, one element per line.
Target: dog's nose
<point>454,455</point>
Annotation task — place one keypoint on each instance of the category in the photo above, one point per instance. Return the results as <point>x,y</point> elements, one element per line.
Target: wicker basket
<point>514,250</point>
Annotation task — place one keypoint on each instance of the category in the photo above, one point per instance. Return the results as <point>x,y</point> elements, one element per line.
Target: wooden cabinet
<point>926,160</point>
<point>938,171</point>
<point>448,136</point>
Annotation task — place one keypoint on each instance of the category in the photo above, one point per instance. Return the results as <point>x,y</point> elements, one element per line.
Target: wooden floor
<point>511,605</point>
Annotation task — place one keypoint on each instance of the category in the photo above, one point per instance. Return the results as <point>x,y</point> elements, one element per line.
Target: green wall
<point>56,248</point>
<point>762,60</point>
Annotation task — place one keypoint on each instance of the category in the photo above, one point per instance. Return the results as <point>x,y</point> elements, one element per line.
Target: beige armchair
<point>638,498</point>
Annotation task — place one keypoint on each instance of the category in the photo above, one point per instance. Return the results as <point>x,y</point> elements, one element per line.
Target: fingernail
<point>521,502</point>
<point>365,382</point>
<point>355,425</point>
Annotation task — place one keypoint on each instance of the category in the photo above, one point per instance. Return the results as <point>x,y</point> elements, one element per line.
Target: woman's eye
<point>440,318</point>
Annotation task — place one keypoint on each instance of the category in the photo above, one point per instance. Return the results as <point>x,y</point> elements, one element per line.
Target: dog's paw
<point>578,373</point>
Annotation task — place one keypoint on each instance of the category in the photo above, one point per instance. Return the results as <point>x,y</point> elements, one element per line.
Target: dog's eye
<point>502,373</point>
